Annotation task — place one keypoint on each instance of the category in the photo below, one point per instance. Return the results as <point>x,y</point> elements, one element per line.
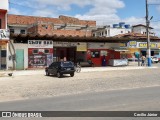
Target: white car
<point>154,59</point>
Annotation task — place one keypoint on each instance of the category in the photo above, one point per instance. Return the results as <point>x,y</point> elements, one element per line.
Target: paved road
<point>140,99</point>
<point>128,99</point>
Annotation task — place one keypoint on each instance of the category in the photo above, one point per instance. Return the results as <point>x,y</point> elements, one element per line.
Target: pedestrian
<point>143,60</point>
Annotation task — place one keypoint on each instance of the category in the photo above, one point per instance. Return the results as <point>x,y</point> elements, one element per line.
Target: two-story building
<point>4,34</point>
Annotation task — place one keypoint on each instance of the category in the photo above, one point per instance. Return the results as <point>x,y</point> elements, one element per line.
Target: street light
<point>148,39</point>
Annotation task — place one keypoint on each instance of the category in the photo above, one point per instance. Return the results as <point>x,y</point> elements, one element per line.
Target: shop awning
<point>121,49</point>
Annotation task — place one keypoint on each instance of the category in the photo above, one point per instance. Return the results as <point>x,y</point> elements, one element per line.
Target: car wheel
<point>59,75</point>
<point>47,73</point>
<point>72,74</point>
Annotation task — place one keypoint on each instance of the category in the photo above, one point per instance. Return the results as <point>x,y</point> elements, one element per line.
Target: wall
<point>111,32</point>
<point>102,45</point>
<point>19,46</point>
<point>17,30</point>
<point>4,5</point>
<point>116,31</point>
<point>3,19</point>
<point>27,20</point>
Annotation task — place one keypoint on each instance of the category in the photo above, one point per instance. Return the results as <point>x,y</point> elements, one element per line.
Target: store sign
<point>81,46</point>
<point>4,34</point>
<point>123,45</point>
<point>144,45</point>
<point>40,44</point>
<point>132,43</point>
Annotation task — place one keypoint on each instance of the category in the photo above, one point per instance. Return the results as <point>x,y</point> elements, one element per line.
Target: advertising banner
<point>40,44</point>
<point>4,34</point>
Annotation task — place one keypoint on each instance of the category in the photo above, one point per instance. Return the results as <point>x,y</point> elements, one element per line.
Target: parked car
<point>60,68</point>
<point>154,59</point>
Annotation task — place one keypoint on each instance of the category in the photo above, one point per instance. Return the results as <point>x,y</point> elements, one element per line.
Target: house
<point>4,34</point>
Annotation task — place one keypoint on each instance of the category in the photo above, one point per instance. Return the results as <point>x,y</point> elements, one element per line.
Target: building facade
<point>142,29</point>
<point>108,31</point>
<point>4,34</point>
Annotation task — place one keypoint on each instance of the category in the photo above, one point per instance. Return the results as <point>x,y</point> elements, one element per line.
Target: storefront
<point>100,53</point>
<point>70,51</point>
<point>143,48</point>
<point>140,47</point>
<point>40,53</point>
<point>4,38</point>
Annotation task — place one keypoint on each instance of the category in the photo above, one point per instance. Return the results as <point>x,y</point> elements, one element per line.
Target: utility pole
<point>148,39</point>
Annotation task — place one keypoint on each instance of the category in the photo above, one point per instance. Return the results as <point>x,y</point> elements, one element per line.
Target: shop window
<point>46,51</point>
<point>22,31</point>
<point>95,54</point>
<point>35,51</point>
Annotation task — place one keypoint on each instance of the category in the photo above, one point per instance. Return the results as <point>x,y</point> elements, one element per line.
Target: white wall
<point>17,30</point>
<point>19,46</point>
<point>4,4</point>
<point>109,32</point>
<point>116,31</point>
<point>102,45</point>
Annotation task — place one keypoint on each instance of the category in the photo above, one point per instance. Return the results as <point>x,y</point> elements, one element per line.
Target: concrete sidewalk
<point>132,66</point>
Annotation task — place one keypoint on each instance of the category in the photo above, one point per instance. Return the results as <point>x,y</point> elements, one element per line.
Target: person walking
<point>143,60</point>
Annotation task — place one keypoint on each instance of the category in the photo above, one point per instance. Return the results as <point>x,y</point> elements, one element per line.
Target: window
<point>46,51</point>
<point>0,24</point>
<point>95,54</point>
<point>121,31</point>
<point>22,32</point>
<point>45,26</point>
<point>106,32</point>
<point>11,30</point>
<point>35,51</point>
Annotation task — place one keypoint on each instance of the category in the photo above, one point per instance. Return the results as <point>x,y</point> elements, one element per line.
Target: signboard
<point>4,34</point>
<point>40,44</point>
<point>123,45</point>
<point>144,45</point>
<point>132,44</point>
<point>81,46</point>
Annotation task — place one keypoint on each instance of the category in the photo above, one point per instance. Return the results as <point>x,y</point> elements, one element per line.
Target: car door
<point>50,68</point>
<point>55,67</point>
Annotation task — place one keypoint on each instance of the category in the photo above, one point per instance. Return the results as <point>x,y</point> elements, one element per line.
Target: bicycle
<point>77,68</point>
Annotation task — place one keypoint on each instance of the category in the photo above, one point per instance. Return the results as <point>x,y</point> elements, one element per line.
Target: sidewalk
<point>132,66</point>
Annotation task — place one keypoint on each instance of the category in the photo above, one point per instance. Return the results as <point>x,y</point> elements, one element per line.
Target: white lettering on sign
<point>4,34</point>
<point>40,44</point>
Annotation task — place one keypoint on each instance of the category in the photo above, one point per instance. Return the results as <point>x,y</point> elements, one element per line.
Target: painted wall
<point>4,4</point>
<point>19,46</point>
<point>17,30</point>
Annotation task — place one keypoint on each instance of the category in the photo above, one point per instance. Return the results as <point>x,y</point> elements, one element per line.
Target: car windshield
<point>67,64</point>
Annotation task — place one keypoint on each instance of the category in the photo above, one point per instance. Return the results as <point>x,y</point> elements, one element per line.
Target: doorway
<point>66,53</point>
<point>19,59</point>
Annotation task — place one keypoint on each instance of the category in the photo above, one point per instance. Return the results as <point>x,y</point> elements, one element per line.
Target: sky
<point>104,12</point>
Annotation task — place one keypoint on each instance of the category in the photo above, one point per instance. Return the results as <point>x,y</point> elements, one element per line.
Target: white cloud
<point>104,12</point>
<point>45,12</point>
<point>14,11</point>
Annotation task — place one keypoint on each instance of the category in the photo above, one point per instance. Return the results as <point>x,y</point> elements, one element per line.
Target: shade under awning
<point>121,49</point>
